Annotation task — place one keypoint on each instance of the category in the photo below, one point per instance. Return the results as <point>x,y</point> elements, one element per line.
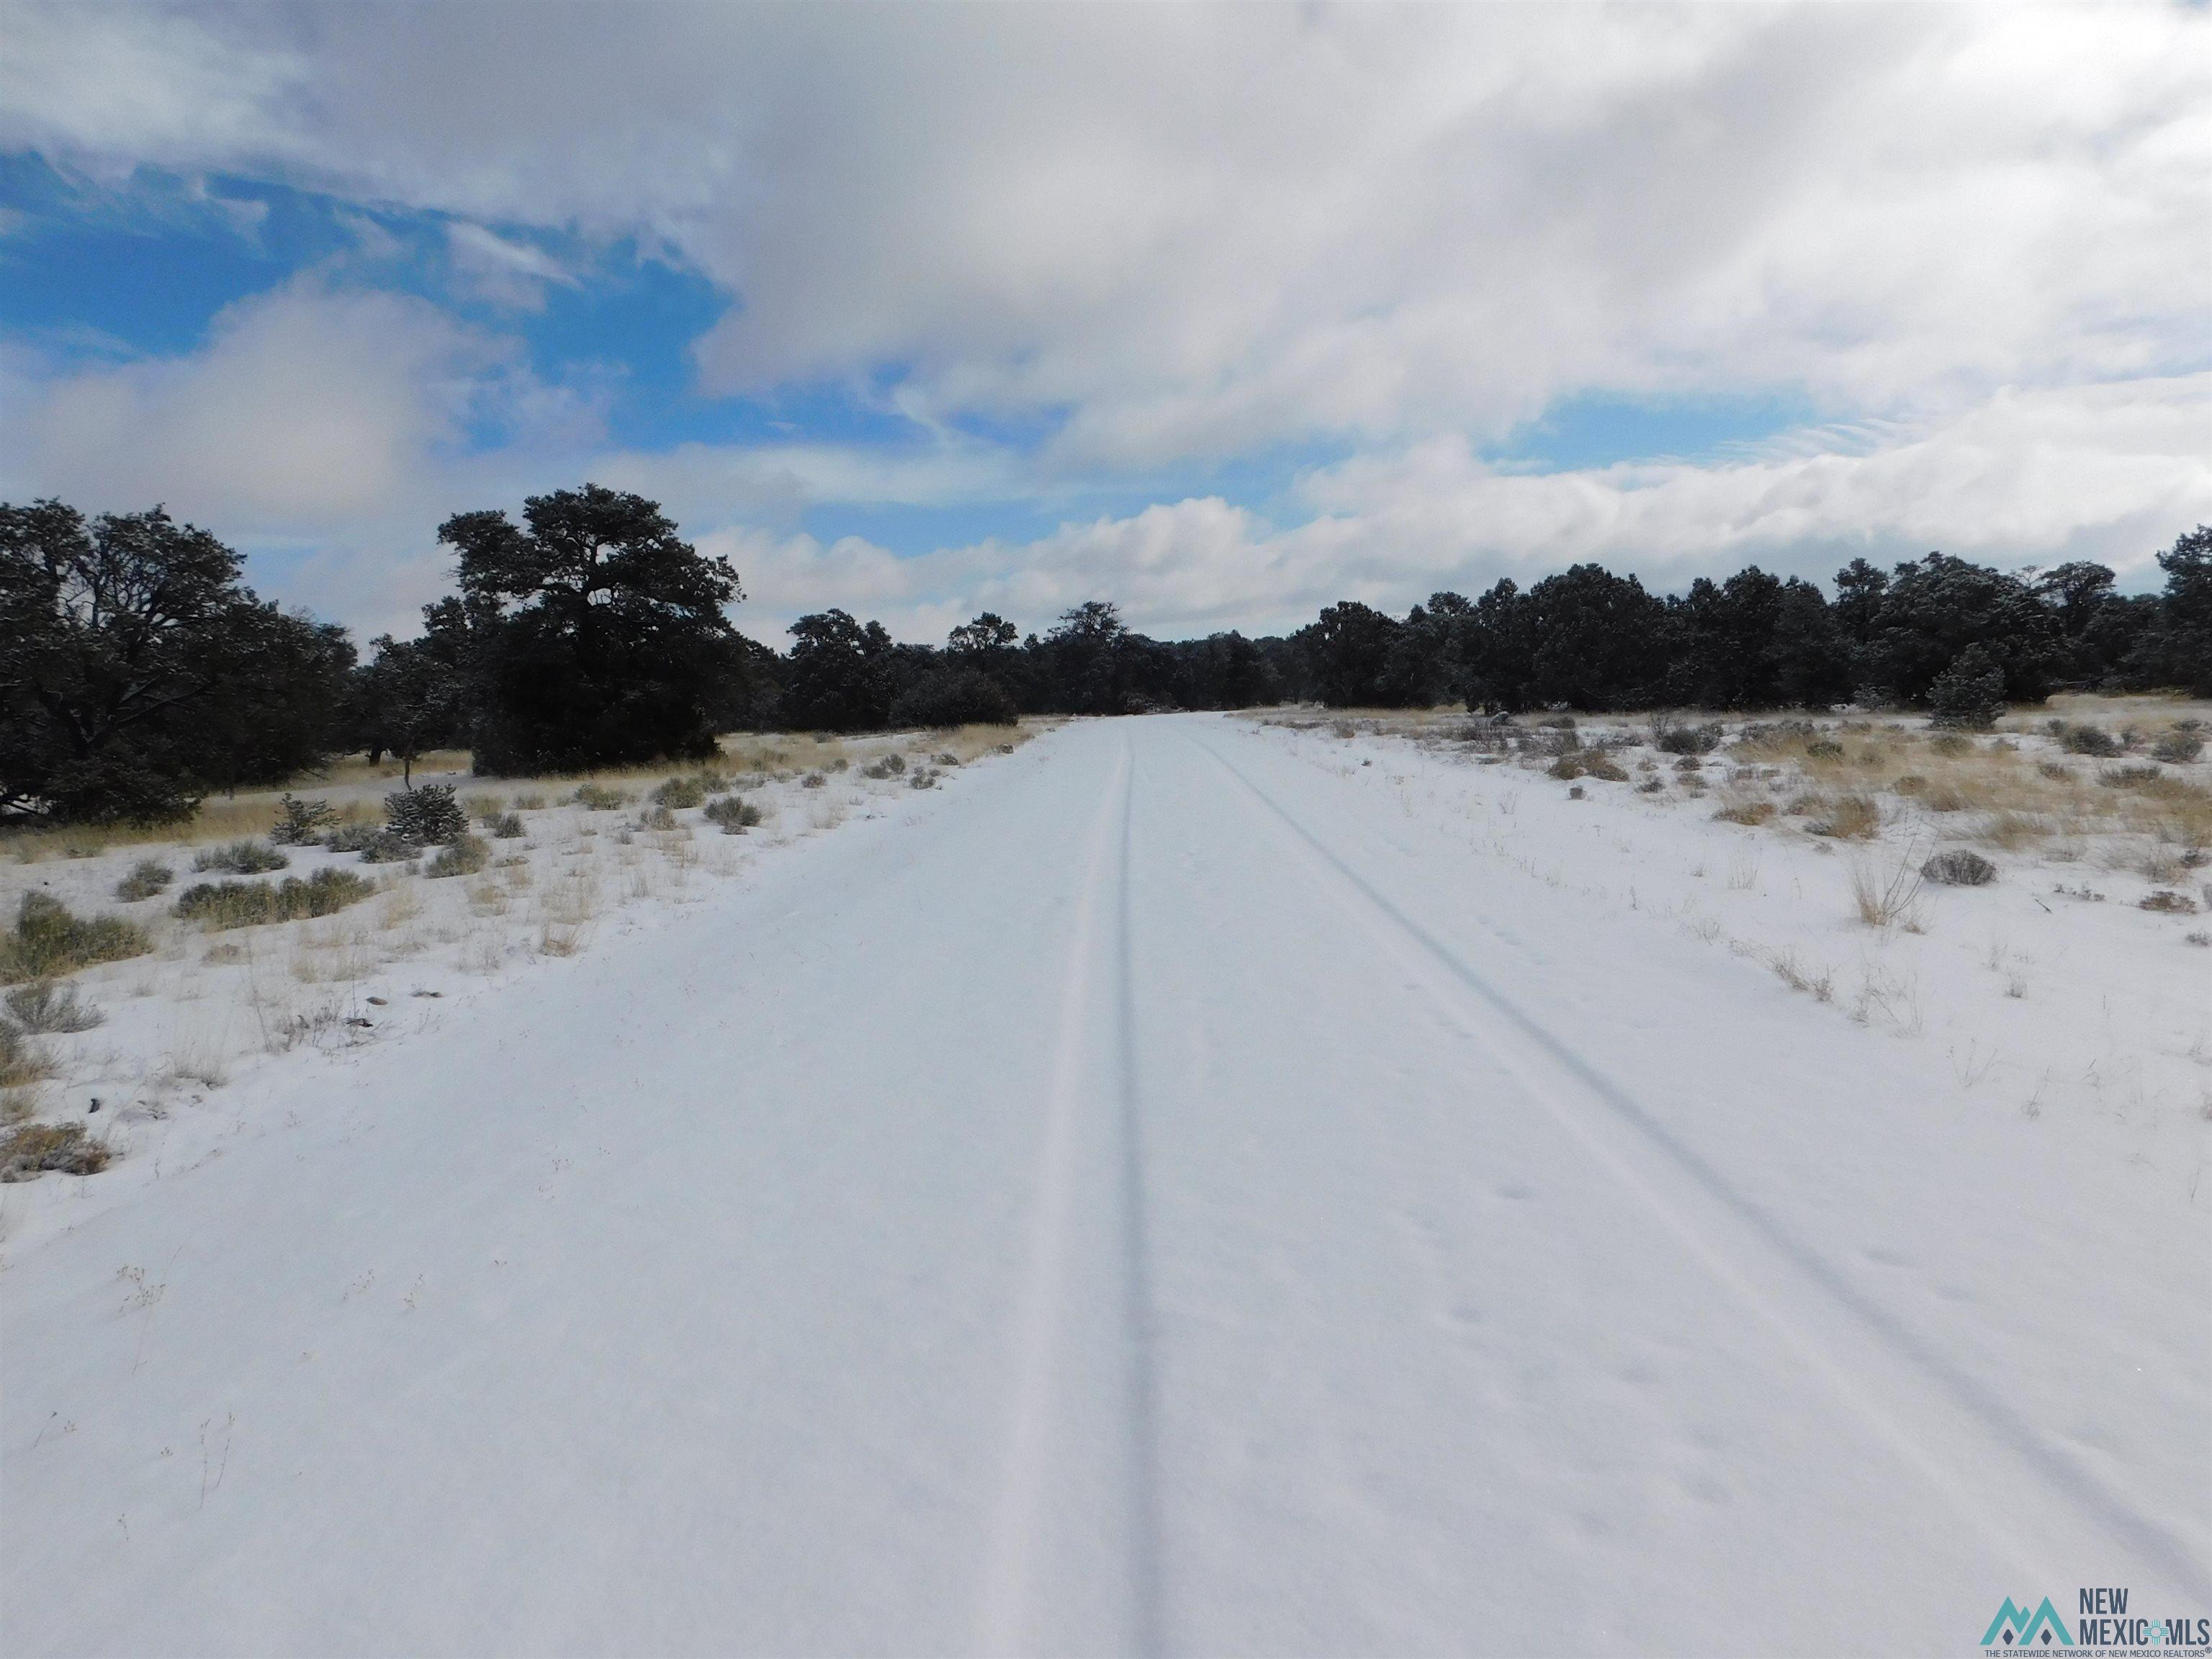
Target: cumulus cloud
<point>1203,231</point>
<point>323,429</point>
<point>1972,238</point>
<point>2024,476</point>
<point>305,408</point>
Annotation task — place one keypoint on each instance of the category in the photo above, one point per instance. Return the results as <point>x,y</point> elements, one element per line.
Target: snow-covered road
<point>1162,1199</point>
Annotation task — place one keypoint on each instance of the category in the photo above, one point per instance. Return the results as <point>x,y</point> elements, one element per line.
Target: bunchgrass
<point>48,939</point>
<point>239,858</point>
<point>222,904</point>
<point>31,1149</point>
<point>147,877</point>
<point>43,1006</point>
<point>462,858</point>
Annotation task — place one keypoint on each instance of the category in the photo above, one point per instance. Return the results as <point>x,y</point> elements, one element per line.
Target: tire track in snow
<point>1883,1359</point>
<point>1145,1558</point>
<point>1022,1517</point>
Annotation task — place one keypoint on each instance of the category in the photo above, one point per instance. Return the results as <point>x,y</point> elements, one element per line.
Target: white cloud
<point>322,428</point>
<point>499,269</point>
<point>1973,239</point>
<point>113,86</point>
<point>2112,475</point>
<point>1203,231</point>
<point>305,408</point>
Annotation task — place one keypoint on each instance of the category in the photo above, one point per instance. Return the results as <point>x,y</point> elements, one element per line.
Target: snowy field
<point>1191,1185</point>
<point>205,1007</point>
<point>2077,979</point>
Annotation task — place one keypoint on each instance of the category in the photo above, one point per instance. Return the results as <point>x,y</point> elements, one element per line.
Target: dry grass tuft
<point>339,954</point>
<point>1817,983</point>
<point>44,1007</point>
<point>465,857</point>
<point>1745,810</point>
<point>2014,830</point>
<point>35,1149</point>
<point>147,877</point>
<point>48,940</point>
<point>224,904</point>
<point>1890,899</point>
<point>1849,818</point>
<point>23,1062</point>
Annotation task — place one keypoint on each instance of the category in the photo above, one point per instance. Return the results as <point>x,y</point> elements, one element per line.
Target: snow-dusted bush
<point>1672,739</point>
<point>352,837</point>
<point>463,857</point>
<point>48,939</point>
<point>2093,740</point>
<point>33,1149</point>
<point>239,858</point>
<point>734,814</point>
<point>597,798</point>
<point>2128,777</point>
<point>148,877</point>
<point>251,903</point>
<point>505,826</point>
<point>43,1006</point>
<point>889,767</point>
<point>385,848</point>
<point>429,817</point>
<point>1956,867</point>
<point>2178,748</point>
<point>677,793</point>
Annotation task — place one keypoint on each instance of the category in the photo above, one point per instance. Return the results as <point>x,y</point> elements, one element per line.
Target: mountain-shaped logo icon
<point>2014,1627</point>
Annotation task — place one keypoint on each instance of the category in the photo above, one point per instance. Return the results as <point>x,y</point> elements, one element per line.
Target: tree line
<point>138,673</point>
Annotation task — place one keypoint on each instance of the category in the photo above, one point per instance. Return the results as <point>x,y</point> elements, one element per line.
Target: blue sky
<point>97,272</point>
<point>916,344</point>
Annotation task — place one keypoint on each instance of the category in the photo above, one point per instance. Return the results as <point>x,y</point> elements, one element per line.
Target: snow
<point>1177,1188</point>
